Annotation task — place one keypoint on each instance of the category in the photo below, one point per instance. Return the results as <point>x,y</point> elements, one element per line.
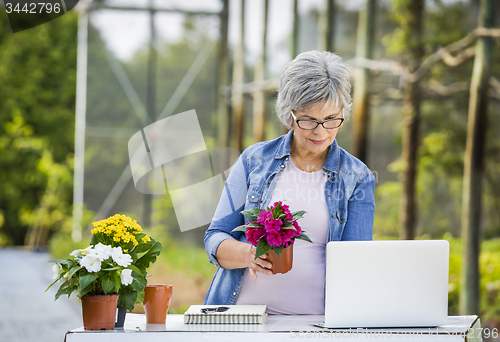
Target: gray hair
<point>311,78</point>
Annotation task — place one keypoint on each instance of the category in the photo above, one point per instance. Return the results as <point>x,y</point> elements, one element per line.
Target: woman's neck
<point>304,155</point>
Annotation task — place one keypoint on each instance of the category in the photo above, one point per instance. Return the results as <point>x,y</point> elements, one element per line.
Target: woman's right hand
<point>258,265</point>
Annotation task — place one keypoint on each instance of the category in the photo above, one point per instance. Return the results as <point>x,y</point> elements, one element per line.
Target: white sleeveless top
<point>301,290</point>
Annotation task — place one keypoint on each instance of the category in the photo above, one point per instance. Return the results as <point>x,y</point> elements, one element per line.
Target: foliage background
<point>37,110</point>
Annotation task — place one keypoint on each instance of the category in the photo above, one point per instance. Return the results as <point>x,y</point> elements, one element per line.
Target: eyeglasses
<point>212,310</point>
<point>312,124</point>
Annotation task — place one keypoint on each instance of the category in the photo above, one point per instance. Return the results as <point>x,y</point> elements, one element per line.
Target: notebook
<point>376,284</point>
<point>225,314</point>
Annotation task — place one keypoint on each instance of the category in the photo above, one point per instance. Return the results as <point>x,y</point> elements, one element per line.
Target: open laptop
<point>376,284</point>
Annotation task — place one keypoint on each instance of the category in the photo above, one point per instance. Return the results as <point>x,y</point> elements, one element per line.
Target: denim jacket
<point>348,192</point>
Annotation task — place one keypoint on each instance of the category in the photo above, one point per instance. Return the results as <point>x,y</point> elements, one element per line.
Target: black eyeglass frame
<point>317,122</point>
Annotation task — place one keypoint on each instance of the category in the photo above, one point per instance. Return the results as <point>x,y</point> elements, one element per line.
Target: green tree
<point>474,163</point>
<point>408,45</point>
<point>37,104</point>
<point>361,110</point>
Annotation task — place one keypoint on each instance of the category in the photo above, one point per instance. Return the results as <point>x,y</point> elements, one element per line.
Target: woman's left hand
<point>259,264</point>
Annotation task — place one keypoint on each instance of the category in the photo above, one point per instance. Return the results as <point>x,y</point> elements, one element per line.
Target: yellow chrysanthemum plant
<point>115,263</point>
<point>123,232</point>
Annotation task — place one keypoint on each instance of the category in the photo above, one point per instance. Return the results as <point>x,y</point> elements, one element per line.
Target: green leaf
<point>278,211</point>
<point>140,279</point>
<point>137,286</point>
<point>242,228</point>
<point>253,225</point>
<point>73,270</point>
<point>107,285</point>
<point>110,268</point>
<point>288,226</point>
<point>118,282</point>
<point>278,250</point>
<point>253,211</point>
<point>64,290</point>
<point>86,280</point>
<point>142,248</point>
<point>298,214</point>
<point>304,237</point>
<point>136,270</point>
<point>155,248</point>
<point>84,291</point>
<point>127,300</point>
<point>262,248</point>
<point>150,256</point>
<point>55,281</point>
<point>140,297</point>
<point>250,216</point>
<point>61,261</point>
<point>139,236</point>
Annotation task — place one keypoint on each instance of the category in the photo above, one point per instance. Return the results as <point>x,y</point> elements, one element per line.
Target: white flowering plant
<point>97,270</point>
<point>122,231</point>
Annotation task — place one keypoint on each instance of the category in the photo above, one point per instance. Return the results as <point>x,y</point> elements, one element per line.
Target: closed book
<point>225,314</point>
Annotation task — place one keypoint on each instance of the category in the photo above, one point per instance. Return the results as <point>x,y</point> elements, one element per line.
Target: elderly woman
<point>305,169</point>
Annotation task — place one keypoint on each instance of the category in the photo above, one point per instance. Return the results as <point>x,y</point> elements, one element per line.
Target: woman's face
<point>316,140</point>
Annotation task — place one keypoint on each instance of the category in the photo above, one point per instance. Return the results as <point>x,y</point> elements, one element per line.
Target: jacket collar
<point>332,162</point>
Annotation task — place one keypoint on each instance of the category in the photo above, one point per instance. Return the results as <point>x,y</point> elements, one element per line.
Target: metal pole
<point>259,97</point>
<point>151,102</point>
<point>295,41</point>
<point>295,29</point>
<point>238,79</point>
<point>222,79</point>
<point>81,107</point>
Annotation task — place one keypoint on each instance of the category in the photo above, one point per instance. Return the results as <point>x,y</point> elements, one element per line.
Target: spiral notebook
<point>225,314</point>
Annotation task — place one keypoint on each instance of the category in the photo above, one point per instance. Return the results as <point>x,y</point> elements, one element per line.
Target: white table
<point>276,328</point>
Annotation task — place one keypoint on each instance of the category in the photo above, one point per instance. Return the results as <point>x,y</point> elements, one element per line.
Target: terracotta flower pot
<point>284,262</point>
<point>157,300</point>
<point>99,312</point>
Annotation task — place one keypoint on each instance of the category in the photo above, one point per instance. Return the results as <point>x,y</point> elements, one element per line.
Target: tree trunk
<point>328,26</point>
<point>412,26</point>
<point>222,78</point>
<point>238,79</point>
<point>259,97</point>
<point>222,83</point>
<point>361,111</point>
<point>474,164</point>
<point>294,50</point>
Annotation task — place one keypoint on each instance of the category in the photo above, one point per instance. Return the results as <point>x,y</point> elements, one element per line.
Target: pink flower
<point>264,216</point>
<point>298,231</point>
<point>274,239</point>
<point>285,208</point>
<point>289,216</point>
<point>273,225</point>
<point>255,234</point>
<point>281,237</point>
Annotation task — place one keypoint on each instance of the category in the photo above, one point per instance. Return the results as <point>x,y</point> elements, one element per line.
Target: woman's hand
<point>258,265</point>
<point>233,254</point>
